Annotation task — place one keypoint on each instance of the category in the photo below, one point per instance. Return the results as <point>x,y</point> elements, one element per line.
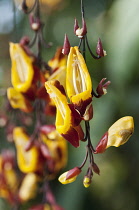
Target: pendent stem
<point>92,54</point>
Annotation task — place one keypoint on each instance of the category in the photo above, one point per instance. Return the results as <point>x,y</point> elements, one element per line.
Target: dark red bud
<point>100,148</point>
<point>76,26</point>
<point>96,168</point>
<point>99,48</point>
<point>73,172</point>
<point>66,46</point>
<point>84,27</point>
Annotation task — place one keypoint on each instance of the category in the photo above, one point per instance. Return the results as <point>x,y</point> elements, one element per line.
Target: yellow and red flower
<point>79,84</point>
<point>54,149</point>
<point>118,134</point>
<point>67,119</point>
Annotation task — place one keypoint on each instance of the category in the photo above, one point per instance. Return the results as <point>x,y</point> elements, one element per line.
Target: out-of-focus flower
<point>117,134</point>
<point>8,177</point>
<point>50,3</point>
<point>22,71</point>
<point>27,160</point>
<point>78,83</point>
<point>69,176</point>
<point>66,121</point>
<point>28,188</point>
<point>18,100</point>
<point>46,207</point>
<point>56,147</point>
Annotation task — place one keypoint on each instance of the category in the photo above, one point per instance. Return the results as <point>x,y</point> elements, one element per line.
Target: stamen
<point>78,77</point>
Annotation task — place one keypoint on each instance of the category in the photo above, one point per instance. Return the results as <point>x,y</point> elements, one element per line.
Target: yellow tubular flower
<point>22,71</point>
<point>64,117</point>
<point>28,187</point>
<point>18,101</point>
<point>118,134</point>
<point>57,147</point>
<point>78,81</point>
<point>120,131</point>
<point>27,160</point>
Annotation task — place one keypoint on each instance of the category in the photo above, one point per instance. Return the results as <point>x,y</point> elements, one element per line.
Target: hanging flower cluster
<point>74,105</point>
<point>62,87</point>
<point>43,153</point>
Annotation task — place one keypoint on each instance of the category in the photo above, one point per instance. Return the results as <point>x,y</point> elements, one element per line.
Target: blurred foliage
<point>117,24</point>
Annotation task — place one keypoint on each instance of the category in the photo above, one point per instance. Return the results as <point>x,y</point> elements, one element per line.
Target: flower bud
<point>80,32</point>
<point>66,46</point>
<point>87,181</point>
<point>99,49</point>
<point>69,176</point>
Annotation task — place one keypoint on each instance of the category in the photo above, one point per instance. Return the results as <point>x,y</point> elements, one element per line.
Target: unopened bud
<point>69,176</point>
<point>96,168</point>
<point>87,181</point>
<point>99,49</point>
<point>34,23</point>
<point>66,46</point>
<point>80,32</point>
<point>76,26</point>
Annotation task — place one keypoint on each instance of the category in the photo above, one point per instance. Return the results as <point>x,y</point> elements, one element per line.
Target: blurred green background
<point>116,22</point>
